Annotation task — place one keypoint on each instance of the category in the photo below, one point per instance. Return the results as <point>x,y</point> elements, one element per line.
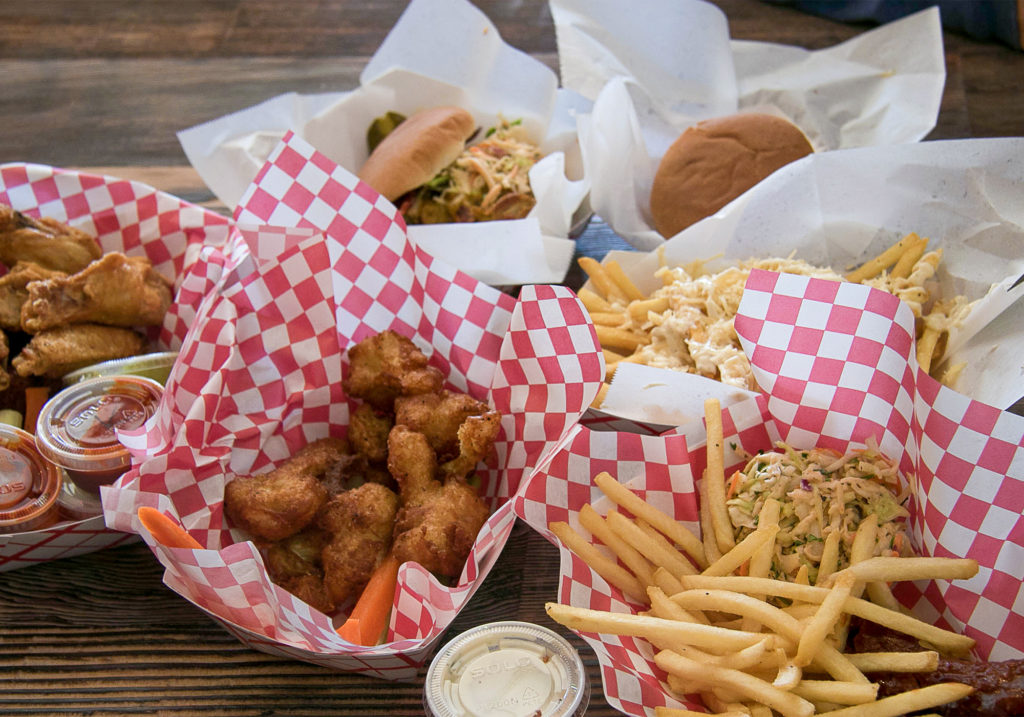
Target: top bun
<point>417,149</point>
<point>715,161</point>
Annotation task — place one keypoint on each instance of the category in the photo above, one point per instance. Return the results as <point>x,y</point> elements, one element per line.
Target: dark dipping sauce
<point>77,428</point>
<point>999,686</point>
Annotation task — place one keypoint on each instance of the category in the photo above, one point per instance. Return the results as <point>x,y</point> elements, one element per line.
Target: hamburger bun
<point>715,161</point>
<point>417,149</point>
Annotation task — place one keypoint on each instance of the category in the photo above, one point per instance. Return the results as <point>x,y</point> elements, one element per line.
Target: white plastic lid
<point>507,669</point>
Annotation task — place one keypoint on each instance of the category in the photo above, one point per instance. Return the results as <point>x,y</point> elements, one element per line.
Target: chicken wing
<point>387,365</point>
<point>14,291</point>
<point>283,501</point>
<point>115,290</point>
<point>47,242</point>
<point>5,351</point>
<point>55,352</point>
<point>360,523</point>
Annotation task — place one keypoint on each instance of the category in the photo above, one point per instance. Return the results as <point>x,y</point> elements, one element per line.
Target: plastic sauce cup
<point>77,428</point>
<point>29,484</point>
<point>156,366</point>
<point>507,669</point>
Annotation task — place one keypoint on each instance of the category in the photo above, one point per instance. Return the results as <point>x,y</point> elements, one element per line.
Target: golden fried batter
<point>55,352</point>
<point>47,242</point>
<point>411,461</point>
<point>5,351</point>
<point>294,564</point>
<point>387,365</point>
<point>283,501</point>
<point>14,291</point>
<point>116,290</point>
<point>368,433</point>
<point>476,437</point>
<point>360,522</point>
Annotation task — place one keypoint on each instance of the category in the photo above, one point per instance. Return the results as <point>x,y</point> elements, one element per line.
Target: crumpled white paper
<point>656,67</point>
<point>439,52</point>
<point>841,208</point>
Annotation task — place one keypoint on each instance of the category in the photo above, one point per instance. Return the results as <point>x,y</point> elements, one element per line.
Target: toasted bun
<point>717,160</point>
<point>415,151</point>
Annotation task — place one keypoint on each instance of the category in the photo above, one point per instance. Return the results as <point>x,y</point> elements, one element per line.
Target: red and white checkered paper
<point>321,262</point>
<point>129,217</point>
<point>836,366</point>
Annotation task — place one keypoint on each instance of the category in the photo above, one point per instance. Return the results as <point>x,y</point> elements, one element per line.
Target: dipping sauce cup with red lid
<point>29,484</point>
<point>77,428</point>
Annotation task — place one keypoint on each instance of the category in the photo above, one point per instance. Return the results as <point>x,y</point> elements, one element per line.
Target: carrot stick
<point>369,618</point>
<point>35,397</point>
<point>734,484</point>
<point>166,532</point>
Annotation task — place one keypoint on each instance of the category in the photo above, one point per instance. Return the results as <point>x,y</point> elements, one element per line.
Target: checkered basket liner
<point>836,366</point>
<point>138,220</point>
<point>322,262</point>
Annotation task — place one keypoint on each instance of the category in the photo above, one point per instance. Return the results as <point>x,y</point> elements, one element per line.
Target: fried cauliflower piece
<point>388,365</point>
<point>368,433</point>
<point>438,522</point>
<point>283,501</point>
<point>360,523</point>
<point>294,564</point>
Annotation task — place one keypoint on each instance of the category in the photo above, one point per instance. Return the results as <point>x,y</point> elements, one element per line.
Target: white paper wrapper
<point>841,208</point>
<point>656,70</point>
<point>439,52</point>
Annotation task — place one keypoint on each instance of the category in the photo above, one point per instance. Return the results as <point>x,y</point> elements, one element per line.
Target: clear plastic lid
<point>29,484</point>
<point>156,366</point>
<point>77,428</point>
<point>507,669</point>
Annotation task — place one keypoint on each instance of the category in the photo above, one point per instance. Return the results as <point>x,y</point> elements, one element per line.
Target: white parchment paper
<point>656,67</point>
<point>439,52</point>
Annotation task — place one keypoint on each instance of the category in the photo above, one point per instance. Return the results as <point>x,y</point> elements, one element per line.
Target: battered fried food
<point>115,290</point>
<point>437,523</point>
<point>438,416</point>
<point>47,242</point>
<point>294,564</point>
<point>14,291</point>
<point>476,437</point>
<point>55,352</point>
<point>368,432</point>
<point>5,352</point>
<point>360,522</point>
<point>283,501</point>
<point>388,365</point>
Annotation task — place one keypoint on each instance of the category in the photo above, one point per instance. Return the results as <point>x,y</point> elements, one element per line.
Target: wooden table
<point>104,86</point>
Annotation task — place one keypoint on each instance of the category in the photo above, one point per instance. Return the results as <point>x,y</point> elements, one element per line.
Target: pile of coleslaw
<point>820,492</point>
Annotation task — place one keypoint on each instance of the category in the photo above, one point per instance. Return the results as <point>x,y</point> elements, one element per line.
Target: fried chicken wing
<point>116,290</point>
<point>387,365</point>
<point>285,500</point>
<point>47,242</point>
<point>360,523</point>
<point>5,352</point>
<point>55,352</point>
<point>14,291</point>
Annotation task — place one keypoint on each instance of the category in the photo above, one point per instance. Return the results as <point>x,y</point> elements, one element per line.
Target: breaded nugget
<point>368,433</point>
<point>476,438</point>
<point>360,523</point>
<point>283,501</point>
<point>438,417</point>
<point>294,564</point>
<point>387,365</point>
<point>411,461</point>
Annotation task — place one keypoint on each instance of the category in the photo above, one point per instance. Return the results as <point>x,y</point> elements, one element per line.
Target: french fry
<point>607,318</point>
<point>707,536</point>
<point>742,551</point>
<point>905,264</point>
<point>868,662</point>
<point>708,637</point>
<point>909,701</point>
<point>721,525</point>
<point>616,338</point>
<point>667,582</point>
<point>601,564</point>
<point>891,570</point>
<point>785,703</point>
<point>823,622</point>
<point>829,557</point>
<point>663,607</point>
<point>601,394</point>
<point>883,261</point>
<point>614,271</point>
<point>632,558</point>
<point>844,693</point>
<point>663,522</point>
<point>592,301</point>
<point>604,283</point>
<point>639,310</point>
<point>678,712</point>
<point>926,347</point>
<point>679,560</point>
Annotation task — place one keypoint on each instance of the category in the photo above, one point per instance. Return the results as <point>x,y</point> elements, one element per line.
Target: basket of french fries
<point>839,544</point>
<point>912,220</point>
<point>348,422</point>
<point>69,239</point>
